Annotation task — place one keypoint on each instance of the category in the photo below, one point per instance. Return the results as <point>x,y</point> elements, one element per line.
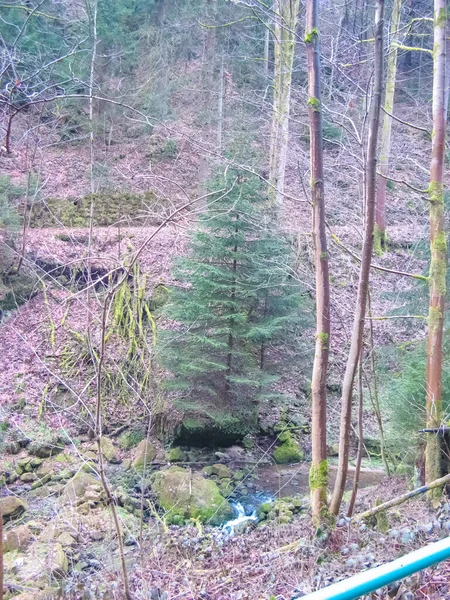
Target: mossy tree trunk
<point>285,22</point>
<point>380,210</point>
<point>438,246</point>
<point>319,467</point>
<point>366,260</point>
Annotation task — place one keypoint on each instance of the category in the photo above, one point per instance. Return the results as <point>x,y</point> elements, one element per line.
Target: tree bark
<point>364,273</point>
<point>380,210</point>
<point>318,480</point>
<point>438,245</point>
<point>285,22</point>
<point>351,504</point>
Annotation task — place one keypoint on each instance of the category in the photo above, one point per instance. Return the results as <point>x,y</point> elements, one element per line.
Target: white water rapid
<point>230,526</point>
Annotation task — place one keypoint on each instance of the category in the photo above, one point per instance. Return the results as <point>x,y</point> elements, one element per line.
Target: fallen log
<point>400,499</point>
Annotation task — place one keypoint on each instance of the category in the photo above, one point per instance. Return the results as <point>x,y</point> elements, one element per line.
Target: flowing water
<point>276,481</point>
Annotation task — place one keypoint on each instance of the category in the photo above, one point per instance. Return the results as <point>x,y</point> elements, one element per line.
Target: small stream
<point>276,481</point>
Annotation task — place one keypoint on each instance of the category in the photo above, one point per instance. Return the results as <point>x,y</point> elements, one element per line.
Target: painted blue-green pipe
<point>373,579</point>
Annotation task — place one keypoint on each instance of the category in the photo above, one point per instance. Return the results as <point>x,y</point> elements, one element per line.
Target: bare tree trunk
<point>437,484</point>
<point>285,22</point>
<point>318,479</point>
<point>380,210</point>
<point>364,273</point>
<point>335,48</point>
<point>266,51</point>
<point>438,245</point>
<point>351,504</point>
<point>220,109</point>
<point>447,74</point>
<point>209,60</point>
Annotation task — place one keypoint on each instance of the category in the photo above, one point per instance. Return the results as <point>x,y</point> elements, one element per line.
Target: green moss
<point>159,297</point>
<point>189,495</point>
<point>176,455</point>
<point>436,192</point>
<point>438,273</point>
<point>318,475</point>
<point>109,207</point>
<point>309,37</point>
<point>288,452</point>
<point>434,317</point>
<point>130,439</point>
<point>314,102</point>
<point>379,240</point>
<point>440,242</point>
<point>323,337</point>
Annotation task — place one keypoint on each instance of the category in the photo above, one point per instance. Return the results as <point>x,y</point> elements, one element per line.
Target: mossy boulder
<point>176,455</point>
<point>75,489</point>
<point>289,451</point>
<point>44,449</point>
<point>222,471</point>
<point>11,507</point>
<point>143,455</point>
<point>108,450</point>
<point>187,495</point>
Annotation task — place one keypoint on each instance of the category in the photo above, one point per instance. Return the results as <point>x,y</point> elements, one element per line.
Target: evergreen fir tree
<point>235,301</point>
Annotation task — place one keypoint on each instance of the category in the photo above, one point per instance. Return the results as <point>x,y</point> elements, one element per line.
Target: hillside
<point>158,309</point>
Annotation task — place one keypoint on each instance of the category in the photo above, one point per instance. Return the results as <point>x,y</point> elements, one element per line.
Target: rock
<point>109,451</point>
<point>12,448</point>
<point>75,489</point>
<point>426,527</point>
<point>407,536</point>
<point>42,481</point>
<point>288,452</point>
<point>22,465</point>
<point>222,471</point>
<point>144,454</point>
<point>90,455</point>
<point>35,463</point>
<point>17,538</point>
<point>238,475</point>
<point>12,477</point>
<point>11,507</point>
<point>56,564</point>
<point>185,494</point>
<point>28,477</point>
<point>176,455</point>
<point>44,449</point>
<point>35,527</point>
<point>207,470</point>
<point>65,539</point>
<point>333,450</point>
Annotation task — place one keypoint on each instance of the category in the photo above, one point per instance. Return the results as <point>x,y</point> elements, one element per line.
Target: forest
<point>223,297</point>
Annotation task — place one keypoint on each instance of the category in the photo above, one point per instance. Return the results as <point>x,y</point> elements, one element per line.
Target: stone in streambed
<point>184,494</point>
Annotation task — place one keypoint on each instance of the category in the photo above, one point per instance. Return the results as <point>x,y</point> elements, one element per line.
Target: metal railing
<point>373,579</point>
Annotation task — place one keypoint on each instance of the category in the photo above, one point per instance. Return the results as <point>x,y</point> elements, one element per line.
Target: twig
<point>408,185</point>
